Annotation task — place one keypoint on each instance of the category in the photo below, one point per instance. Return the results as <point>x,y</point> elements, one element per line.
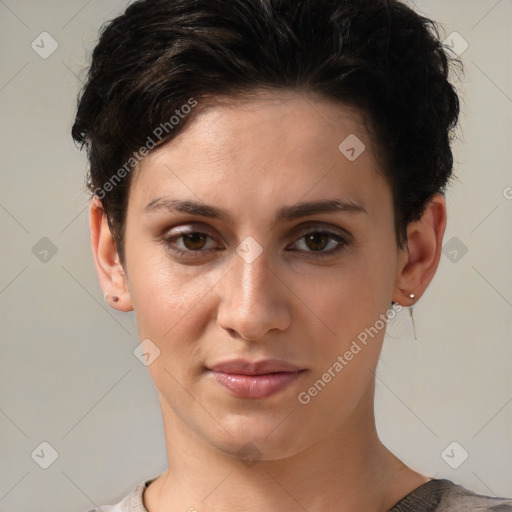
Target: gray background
<point>68,375</point>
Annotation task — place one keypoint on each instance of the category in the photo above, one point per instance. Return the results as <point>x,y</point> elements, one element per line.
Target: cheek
<point>351,296</point>
<point>347,303</point>
<point>170,311</point>
<point>172,302</point>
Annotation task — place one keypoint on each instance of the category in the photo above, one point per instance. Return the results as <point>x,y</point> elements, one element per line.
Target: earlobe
<point>421,256</point>
<point>111,274</point>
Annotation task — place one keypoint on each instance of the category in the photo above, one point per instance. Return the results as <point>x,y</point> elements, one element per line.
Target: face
<point>238,247</point>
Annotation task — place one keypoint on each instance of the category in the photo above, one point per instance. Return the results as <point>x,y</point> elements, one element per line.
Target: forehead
<point>297,117</point>
<point>267,141</point>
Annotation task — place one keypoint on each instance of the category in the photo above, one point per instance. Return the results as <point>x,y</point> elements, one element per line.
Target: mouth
<point>255,380</point>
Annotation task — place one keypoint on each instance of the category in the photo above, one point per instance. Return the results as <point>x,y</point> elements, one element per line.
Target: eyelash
<point>189,253</point>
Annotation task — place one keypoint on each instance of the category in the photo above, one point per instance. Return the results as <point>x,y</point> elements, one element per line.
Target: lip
<point>246,367</point>
<point>255,379</point>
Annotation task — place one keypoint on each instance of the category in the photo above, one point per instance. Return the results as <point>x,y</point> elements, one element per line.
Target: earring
<point>115,298</point>
<point>411,296</point>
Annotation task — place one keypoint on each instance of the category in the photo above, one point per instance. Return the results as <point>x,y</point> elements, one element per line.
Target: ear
<point>419,260</point>
<point>111,274</point>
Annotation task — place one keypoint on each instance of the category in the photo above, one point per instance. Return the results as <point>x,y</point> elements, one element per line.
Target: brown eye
<point>316,241</point>
<point>194,241</point>
<point>320,243</point>
<point>190,244</point>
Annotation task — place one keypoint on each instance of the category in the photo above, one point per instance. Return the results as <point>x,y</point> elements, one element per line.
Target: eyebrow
<point>286,213</point>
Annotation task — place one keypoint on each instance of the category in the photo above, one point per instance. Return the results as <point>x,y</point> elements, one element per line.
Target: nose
<point>254,300</point>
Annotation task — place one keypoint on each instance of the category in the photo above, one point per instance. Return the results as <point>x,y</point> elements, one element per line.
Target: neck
<point>348,469</point>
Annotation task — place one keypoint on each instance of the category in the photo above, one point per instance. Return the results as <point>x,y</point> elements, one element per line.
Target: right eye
<point>187,243</point>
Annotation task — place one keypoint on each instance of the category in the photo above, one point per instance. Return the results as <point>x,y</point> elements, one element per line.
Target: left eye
<point>320,241</point>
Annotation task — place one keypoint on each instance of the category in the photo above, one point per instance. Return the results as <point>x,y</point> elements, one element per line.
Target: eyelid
<point>190,228</point>
<point>178,233</point>
<point>321,226</point>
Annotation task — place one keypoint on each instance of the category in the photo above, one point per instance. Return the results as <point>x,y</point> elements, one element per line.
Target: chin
<point>260,438</point>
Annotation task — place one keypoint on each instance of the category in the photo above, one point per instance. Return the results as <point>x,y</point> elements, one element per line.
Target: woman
<point>268,186</point>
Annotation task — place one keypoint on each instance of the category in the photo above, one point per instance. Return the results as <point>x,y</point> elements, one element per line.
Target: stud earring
<point>115,298</point>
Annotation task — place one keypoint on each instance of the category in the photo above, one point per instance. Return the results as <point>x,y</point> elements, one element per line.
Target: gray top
<point>436,495</point>
<point>440,495</point>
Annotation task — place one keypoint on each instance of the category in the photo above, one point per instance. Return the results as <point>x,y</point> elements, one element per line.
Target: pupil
<point>316,241</point>
<point>194,240</point>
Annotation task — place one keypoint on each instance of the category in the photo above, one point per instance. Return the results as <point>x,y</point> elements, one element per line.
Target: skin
<point>251,157</point>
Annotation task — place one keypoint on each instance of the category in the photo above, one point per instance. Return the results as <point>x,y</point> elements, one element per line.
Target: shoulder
<point>441,495</point>
<point>132,502</point>
<point>457,498</point>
